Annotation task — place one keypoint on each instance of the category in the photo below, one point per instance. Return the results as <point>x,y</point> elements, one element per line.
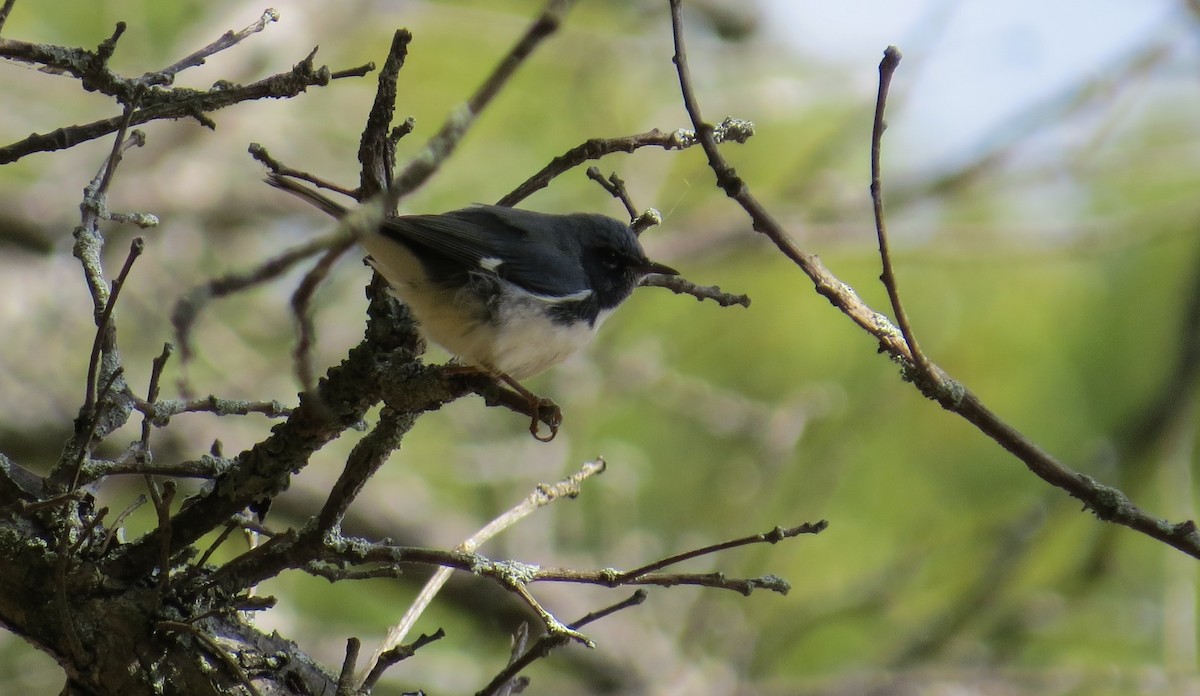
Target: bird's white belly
<point>528,342</point>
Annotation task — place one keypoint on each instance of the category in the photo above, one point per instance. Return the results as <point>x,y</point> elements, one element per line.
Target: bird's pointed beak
<point>652,267</point>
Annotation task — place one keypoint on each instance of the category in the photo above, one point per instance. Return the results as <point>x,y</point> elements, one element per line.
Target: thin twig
<point>119,145</point>
<point>188,307</point>
<point>541,496</point>
<point>221,538</point>
<point>4,11</point>
<point>518,582</point>
<point>774,536</point>
<point>162,507</point>
<point>160,412</point>
<point>395,655</point>
<point>229,39</point>
<point>260,153</point>
<point>83,444</point>
<point>345,685</point>
<point>717,580</point>
<point>94,208</point>
<point>615,186</point>
<point>302,297</point>
<point>364,460</point>
<point>887,67</point>
<point>682,286</point>
<point>156,370</point>
<point>120,520</point>
<point>136,247</point>
<point>245,603</point>
<point>85,534</point>
<point>731,129</point>
<point>547,643</point>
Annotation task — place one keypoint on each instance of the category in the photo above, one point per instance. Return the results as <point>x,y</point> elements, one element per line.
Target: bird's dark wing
<point>522,247</point>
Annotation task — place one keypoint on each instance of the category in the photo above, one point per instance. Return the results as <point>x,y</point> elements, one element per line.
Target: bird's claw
<point>544,411</point>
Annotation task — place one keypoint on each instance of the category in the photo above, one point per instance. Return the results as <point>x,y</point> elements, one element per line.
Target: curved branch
<point>1106,503</point>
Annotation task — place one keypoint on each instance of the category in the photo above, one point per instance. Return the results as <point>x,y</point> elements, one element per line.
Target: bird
<point>508,292</point>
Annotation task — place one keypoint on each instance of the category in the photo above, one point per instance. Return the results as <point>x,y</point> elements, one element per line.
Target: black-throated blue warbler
<point>509,292</point>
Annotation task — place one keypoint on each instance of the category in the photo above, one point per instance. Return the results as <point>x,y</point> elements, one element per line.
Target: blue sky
<point>970,65</point>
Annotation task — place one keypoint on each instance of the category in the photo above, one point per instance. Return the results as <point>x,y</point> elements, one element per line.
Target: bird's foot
<point>541,409</point>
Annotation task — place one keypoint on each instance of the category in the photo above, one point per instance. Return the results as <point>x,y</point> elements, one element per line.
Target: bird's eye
<point>611,259</point>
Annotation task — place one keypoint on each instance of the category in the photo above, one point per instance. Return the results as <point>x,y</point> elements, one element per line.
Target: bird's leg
<point>536,404</point>
<point>540,408</point>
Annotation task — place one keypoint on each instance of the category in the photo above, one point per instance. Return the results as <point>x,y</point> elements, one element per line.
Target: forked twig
<point>229,39</point>
<point>542,496</point>
<point>548,642</point>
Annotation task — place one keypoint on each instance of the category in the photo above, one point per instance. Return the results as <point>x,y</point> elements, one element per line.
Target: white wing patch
<point>550,299</point>
<point>490,263</point>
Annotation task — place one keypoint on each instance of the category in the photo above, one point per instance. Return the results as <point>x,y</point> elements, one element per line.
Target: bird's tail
<point>312,196</point>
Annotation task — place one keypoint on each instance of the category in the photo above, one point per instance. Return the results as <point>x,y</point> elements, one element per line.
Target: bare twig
<point>516,577</point>
<point>235,604</point>
<point>88,242</point>
<point>365,459</point>
<point>188,307</point>
<point>120,519</point>
<point>100,192</point>
<point>162,507</point>
<point>341,561</point>
<point>887,67</point>
<point>730,129</point>
<point>717,580</point>
<point>156,370</point>
<point>1105,502</point>
<point>91,68</point>
<point>615,186</point>
<point>204,468</point>
<point>104,357</point>
<point>541,496</point>
<point>260,153</point>
<point>84,435</point>
<point>345,685</point>
<point>102,326</point>
<point>212,548</point>
<point>772,537</point>
<point>395,655</point>
<point>376,149</point>
<point>4,12</point>
<point>160,412</point>
<point>229,39</point>
<point>682,286</point>
<point>306,331</point>
<point>547,643</point>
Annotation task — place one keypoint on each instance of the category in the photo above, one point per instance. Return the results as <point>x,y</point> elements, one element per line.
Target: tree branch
<point>1106,503</point>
